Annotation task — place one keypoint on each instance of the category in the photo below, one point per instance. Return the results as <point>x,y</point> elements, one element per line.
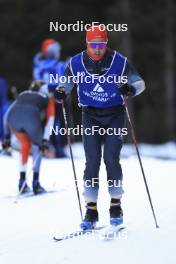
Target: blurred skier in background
<point>29,118</point>
<point>46,63</point>
<point>4,104</point>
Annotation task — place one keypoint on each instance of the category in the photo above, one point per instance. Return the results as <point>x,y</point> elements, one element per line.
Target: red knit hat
<point>94,32</point>
<point>46,43</point>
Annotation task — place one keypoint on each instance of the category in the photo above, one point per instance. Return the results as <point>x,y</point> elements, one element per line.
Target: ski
<point>30,194</point>
<point>112,232</point>
<point>78,233</point>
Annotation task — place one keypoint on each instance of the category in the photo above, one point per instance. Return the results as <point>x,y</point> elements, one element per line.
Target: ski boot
<point>116,213</point>
<point>23,187</point>
<point>37,188</point>
<point>91,217</point>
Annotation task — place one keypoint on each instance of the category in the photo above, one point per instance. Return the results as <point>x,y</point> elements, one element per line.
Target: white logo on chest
<point>98,88</point>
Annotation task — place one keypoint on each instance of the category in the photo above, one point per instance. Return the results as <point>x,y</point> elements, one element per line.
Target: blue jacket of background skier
<point>99,92</point>
<point>4,104</point>
<point>43,68</point>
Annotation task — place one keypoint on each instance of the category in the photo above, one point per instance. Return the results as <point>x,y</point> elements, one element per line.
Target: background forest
<point>149,45</point>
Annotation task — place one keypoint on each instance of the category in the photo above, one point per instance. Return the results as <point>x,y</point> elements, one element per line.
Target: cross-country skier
<point>29,118</point>
<point>102,106</point>
<point>47,64</point>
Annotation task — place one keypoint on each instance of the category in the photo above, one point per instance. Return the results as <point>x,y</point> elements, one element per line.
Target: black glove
<point>45,145</point>
<point>59,94</point>
<point>127,90</point>
<point>6,142</point>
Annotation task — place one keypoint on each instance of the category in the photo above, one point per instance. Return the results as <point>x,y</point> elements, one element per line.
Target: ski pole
<point>71,154</point>
<point>27,176</point>
<point>139,158</point>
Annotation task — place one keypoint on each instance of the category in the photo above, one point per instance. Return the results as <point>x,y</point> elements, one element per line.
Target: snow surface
<point>27,227</point>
